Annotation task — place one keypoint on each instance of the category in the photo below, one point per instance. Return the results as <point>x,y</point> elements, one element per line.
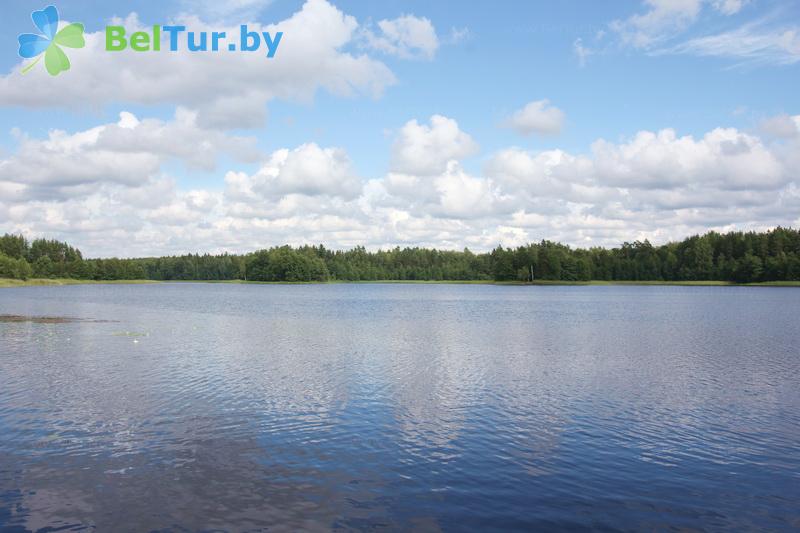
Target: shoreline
<point>6,283</point>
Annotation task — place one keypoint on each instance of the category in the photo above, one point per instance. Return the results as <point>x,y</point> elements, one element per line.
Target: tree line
<point>741,257</point>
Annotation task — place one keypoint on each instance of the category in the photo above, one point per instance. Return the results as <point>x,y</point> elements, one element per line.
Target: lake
<point>188,406</point>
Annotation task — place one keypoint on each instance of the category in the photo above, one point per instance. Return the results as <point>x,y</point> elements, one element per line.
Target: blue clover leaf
<point>50,41</point>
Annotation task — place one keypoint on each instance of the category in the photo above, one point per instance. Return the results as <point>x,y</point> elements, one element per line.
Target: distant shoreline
<point>6,283</point>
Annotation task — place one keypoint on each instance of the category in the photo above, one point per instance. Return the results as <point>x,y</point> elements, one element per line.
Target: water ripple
<point>358,407</point>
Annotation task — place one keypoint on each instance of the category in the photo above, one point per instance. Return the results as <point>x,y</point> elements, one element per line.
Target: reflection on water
<point>434,407</point>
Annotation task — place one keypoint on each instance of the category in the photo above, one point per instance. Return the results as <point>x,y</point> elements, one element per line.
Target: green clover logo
<point>50,42</point>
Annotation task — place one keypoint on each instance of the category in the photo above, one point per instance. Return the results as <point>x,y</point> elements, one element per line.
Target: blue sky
<point>648,66</point>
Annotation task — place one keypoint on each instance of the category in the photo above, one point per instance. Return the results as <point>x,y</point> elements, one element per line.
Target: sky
<point>382,124</point>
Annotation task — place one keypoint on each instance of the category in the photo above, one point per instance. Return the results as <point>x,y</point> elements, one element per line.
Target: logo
<point>195,41</point>
<point>50,41</point>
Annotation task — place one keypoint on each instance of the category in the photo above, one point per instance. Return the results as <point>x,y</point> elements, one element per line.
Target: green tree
<point>15,268</point>
<point>748,269</point>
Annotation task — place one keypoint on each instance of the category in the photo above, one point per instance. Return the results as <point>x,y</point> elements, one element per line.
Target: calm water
<point>428,407</point>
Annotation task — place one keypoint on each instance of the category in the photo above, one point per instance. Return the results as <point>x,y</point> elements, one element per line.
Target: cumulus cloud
<point>782,126</point>
<point>453,193</point>
<point>182,138</point>
<point>724,158</point>
<point>306,170</point>
<point>228,89</point>
<point>180,209</point>
<point>408,37</point>
<point>426,149</point>
<point>656,185</point>
<point>127,152</point>
<point>464,196</point>
<point>548,174</point>
<point>537,117</point>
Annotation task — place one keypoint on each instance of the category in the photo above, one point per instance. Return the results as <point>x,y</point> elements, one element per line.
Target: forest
<point>741,257</point>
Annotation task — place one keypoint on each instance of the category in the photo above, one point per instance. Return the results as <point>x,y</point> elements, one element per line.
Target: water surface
<point>189,407</point>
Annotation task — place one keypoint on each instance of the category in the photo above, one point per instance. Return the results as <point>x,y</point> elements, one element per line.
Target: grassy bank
<point>708,283</point>
<point>6,283</point>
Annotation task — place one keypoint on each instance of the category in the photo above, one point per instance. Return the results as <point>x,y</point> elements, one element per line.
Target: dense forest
<point>737,256</point>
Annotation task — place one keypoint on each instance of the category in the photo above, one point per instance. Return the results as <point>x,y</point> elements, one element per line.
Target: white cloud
<point>765,41</point>
<point>182,138</point>
<point>457,35</point>
<point>664,19</point>
<point>724,158</point>
<point>581,52</point>
<point>752,44</point>
<point>452,194</point>
<point>547,174</point>
<point>421,149</point>
<point>407,37</point>
<point>215,10</point>
<point>183,208</point>
<point>127,152</point>
<point>783,126</point>
<point>228,89</point>
<point>729,7</point>
<point>537,117</point>
<point>656,185</point>
<point>465,196</point>
<point>306,170</point>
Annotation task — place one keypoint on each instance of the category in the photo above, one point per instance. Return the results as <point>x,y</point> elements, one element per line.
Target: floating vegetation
<point>48,319</point>
<point>130,334</point>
